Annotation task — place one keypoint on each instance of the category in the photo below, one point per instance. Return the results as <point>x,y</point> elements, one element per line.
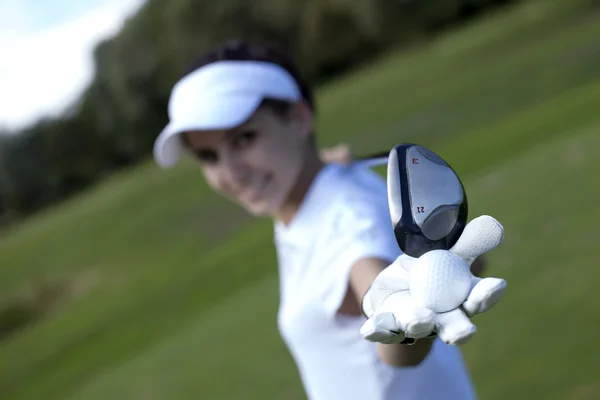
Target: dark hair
<point>242,50</point>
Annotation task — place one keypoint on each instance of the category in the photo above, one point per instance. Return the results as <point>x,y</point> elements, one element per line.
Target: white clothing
<point>345,217</point>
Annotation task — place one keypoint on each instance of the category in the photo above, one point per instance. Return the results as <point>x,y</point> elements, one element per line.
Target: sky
<point>46,51</point>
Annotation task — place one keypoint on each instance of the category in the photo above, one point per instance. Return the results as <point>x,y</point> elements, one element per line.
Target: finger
<point>474,281</point>
<point>422,324</point>
<point>484,295</point>
<point>481,235</point>
<point>454,328</point>
<point>381,328</point>
<point>415,321</point>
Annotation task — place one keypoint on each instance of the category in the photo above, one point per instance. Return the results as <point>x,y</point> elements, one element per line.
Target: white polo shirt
<point>343,218</point>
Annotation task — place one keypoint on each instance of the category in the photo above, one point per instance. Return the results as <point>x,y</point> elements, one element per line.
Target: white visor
<point>221,95</point>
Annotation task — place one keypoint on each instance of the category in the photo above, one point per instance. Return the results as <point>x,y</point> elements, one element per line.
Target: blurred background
<point>119,280</point>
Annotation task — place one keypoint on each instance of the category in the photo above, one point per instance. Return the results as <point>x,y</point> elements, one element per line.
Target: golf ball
<point>440,280</point>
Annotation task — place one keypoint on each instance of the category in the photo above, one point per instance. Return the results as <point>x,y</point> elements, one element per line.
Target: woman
<point>244,112</point>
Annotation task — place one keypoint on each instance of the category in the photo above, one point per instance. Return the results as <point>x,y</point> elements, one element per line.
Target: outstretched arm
<point>362,274</point>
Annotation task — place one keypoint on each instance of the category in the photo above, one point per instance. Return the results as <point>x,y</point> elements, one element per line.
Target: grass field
<point>169,292</point>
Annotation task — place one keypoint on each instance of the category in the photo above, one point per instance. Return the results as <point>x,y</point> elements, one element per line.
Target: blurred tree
<point>24,187</point>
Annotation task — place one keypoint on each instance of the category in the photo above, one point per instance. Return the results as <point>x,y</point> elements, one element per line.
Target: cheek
<point>214,181</point>
<point>285,166</point>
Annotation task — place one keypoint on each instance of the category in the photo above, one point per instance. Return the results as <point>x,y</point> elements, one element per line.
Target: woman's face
<point>256,164</point>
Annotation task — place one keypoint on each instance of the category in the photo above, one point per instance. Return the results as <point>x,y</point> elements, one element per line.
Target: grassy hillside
<point>161,290</point>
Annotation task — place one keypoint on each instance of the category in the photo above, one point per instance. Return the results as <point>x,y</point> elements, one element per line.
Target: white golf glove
<point>395,317</point>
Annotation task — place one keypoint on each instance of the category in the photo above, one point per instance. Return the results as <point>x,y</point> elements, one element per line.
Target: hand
<point>394,316</point>
<point>340,153</point>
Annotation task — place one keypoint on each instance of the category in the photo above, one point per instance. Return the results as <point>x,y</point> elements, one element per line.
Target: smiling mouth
<point>257,190</point>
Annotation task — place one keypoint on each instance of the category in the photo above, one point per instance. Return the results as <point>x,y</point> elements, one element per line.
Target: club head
<point>428,203</point>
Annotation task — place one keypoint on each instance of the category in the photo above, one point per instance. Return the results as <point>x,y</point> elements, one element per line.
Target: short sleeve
<point>361,228</point>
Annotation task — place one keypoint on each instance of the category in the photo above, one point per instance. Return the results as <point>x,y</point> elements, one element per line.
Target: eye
<point>244,139</point>
<point>207,156</point>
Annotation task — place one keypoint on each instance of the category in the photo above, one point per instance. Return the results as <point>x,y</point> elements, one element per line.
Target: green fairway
<point>163,297</point>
